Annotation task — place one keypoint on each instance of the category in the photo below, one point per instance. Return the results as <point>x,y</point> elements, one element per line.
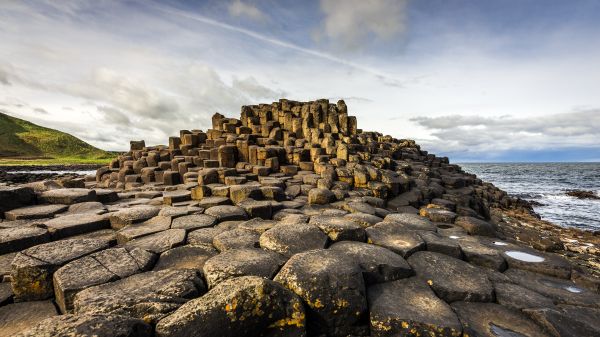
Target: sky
<point>510,80</point>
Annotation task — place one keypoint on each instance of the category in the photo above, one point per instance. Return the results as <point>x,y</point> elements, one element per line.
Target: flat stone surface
<point>227,311</point>
<point>320,196</point>
<point>68,196</point>
<point>35,212</point>
<point>203,236</point>
<point>395,238</point>
<point>493,320</point>
<point>515,297</point>
<point>95,207</point>
<point>98,268</point>
<point>411,221</point>
<point>236,239</point>
<point>214,201</point>
<point>359,207</point>
<point>128,216</point>
<point>185,257</point>
<point>257,225</point>
<point>149,296</point>
<point>559,290</point>
<point>364,219</point>
<point>452,279</point>
<point>90,325</point>
<point>194,221</point>
<point>339,229</point>
<point>32,268</point>
<point>18,317</point>
<point>74,224</point>
<point>378,264</point>
<point>409,308</point>
<point>480,254</point>
<point>538,262</point>
<point>290,239</point>
<point>18,238</point>
<point>567,320</point>
<point>332,286</point>
<point>241,262</point>
<point>154,225</point>
<point>159,242</point>
<point>438,214</point>
<point>258,208</point>
<point>440,244</point>
<point>227,213</point>
<point>475,226</point>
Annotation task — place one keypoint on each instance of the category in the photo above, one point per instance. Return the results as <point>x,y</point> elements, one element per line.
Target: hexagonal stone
<point>567,320</point>
<point>332,286</point>
<point>74,224</point>
<point>359,207</point>
<point>364,219</point>
<point>128,216</point>
<point>194,221</point>
<point>154,225</point>
<point>409,308</point>
<point>227,213</point>
<point>438,214</point>
<point>257,225</point>
<point>440,244</point>
<point>18,317</point>
<point>241,262</point>
<point>35,212</point>
<point>235,239</point>
<point>258,208</point>
<point>159,242</point>
<point>173,197</point>
<point>98,268</point>
<point>32,268</point>
<point>67,196</point>
<point>204,236</point>
<point>90,325</point>
<point>149,296</point>
<point>208,202</point>
<point>490,319</point>
<point>481,254</point>
<point>320,196</point>
<point>185,257</point>
<point>396,238</point>
<point>290,239</point>
<point>452,279</point>
<point>18,238</point>
<point>378,264</point>
<point>339,229</point>
<point>239,193</point>
<point>517,298</point>
<point>475,226</point>
<point>559,290</point>
<point>227,311</point>
<point>538,262</point>
<point>411,221</point>
<point>15,197</point>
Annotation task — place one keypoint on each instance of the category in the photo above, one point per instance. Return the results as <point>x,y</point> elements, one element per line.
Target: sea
<point>546,184</point>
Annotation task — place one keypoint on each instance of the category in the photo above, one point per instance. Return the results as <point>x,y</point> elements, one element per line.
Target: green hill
<point>23,142</point>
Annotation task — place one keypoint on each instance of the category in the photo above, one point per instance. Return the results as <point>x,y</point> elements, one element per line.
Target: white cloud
<point>350,23</point>
<point>238,8</point>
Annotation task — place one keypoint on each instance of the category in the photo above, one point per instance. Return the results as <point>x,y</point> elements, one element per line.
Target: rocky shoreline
<point>289,221</point>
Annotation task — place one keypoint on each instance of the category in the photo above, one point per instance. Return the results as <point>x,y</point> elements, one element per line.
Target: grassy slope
<point>22,142</point>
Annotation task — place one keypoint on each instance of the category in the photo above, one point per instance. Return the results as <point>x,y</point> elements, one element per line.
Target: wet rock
<point>339,229</point>
<point>18,317</point>
<point>188,257</point>
<point>228,310</point>
<point>543,263</point>
<point>89,325</point>
<point>194,221</point>
<point>241,262</point>
<point>68,196</point>
<point>378,264</point>
<point>148,296</point>
<point>567,320</point>
<point>396,238</point>
<point>227,213</point>
<point>320,196</point>
<point>15,197</point>
<point>159,242</point>
<point>290,239</point>
<point>332,287</point>
<point>481,254</point>
<point>411,221</point>
<point>32,268</point>
<point>74,224</point>
<point>579,194</point>
<point>236,239</point>
<point>98,268</point>
<point>475,226</point>
<point>154,225</point>
<point>517,298</point>
<point>35,212</point>
<point>452,279</point>
<point>409,308</point>
<point>559,290</point>
<point>493,320</point>
<point>18,238</point>
<point>440,244</point>
<point>128,216</point>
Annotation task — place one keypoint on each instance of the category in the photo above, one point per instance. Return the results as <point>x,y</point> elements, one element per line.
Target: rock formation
<point>289,221</point>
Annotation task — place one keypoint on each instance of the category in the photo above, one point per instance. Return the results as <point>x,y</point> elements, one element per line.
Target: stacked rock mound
<point>289,221</point>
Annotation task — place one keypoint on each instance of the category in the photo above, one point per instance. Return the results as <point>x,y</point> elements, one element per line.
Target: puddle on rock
<point>573,289</point>
<point>500,243</point>
<point>560,285</point>
<point>526,257</point>
<point>454,237</point>
<point>502,332</point>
